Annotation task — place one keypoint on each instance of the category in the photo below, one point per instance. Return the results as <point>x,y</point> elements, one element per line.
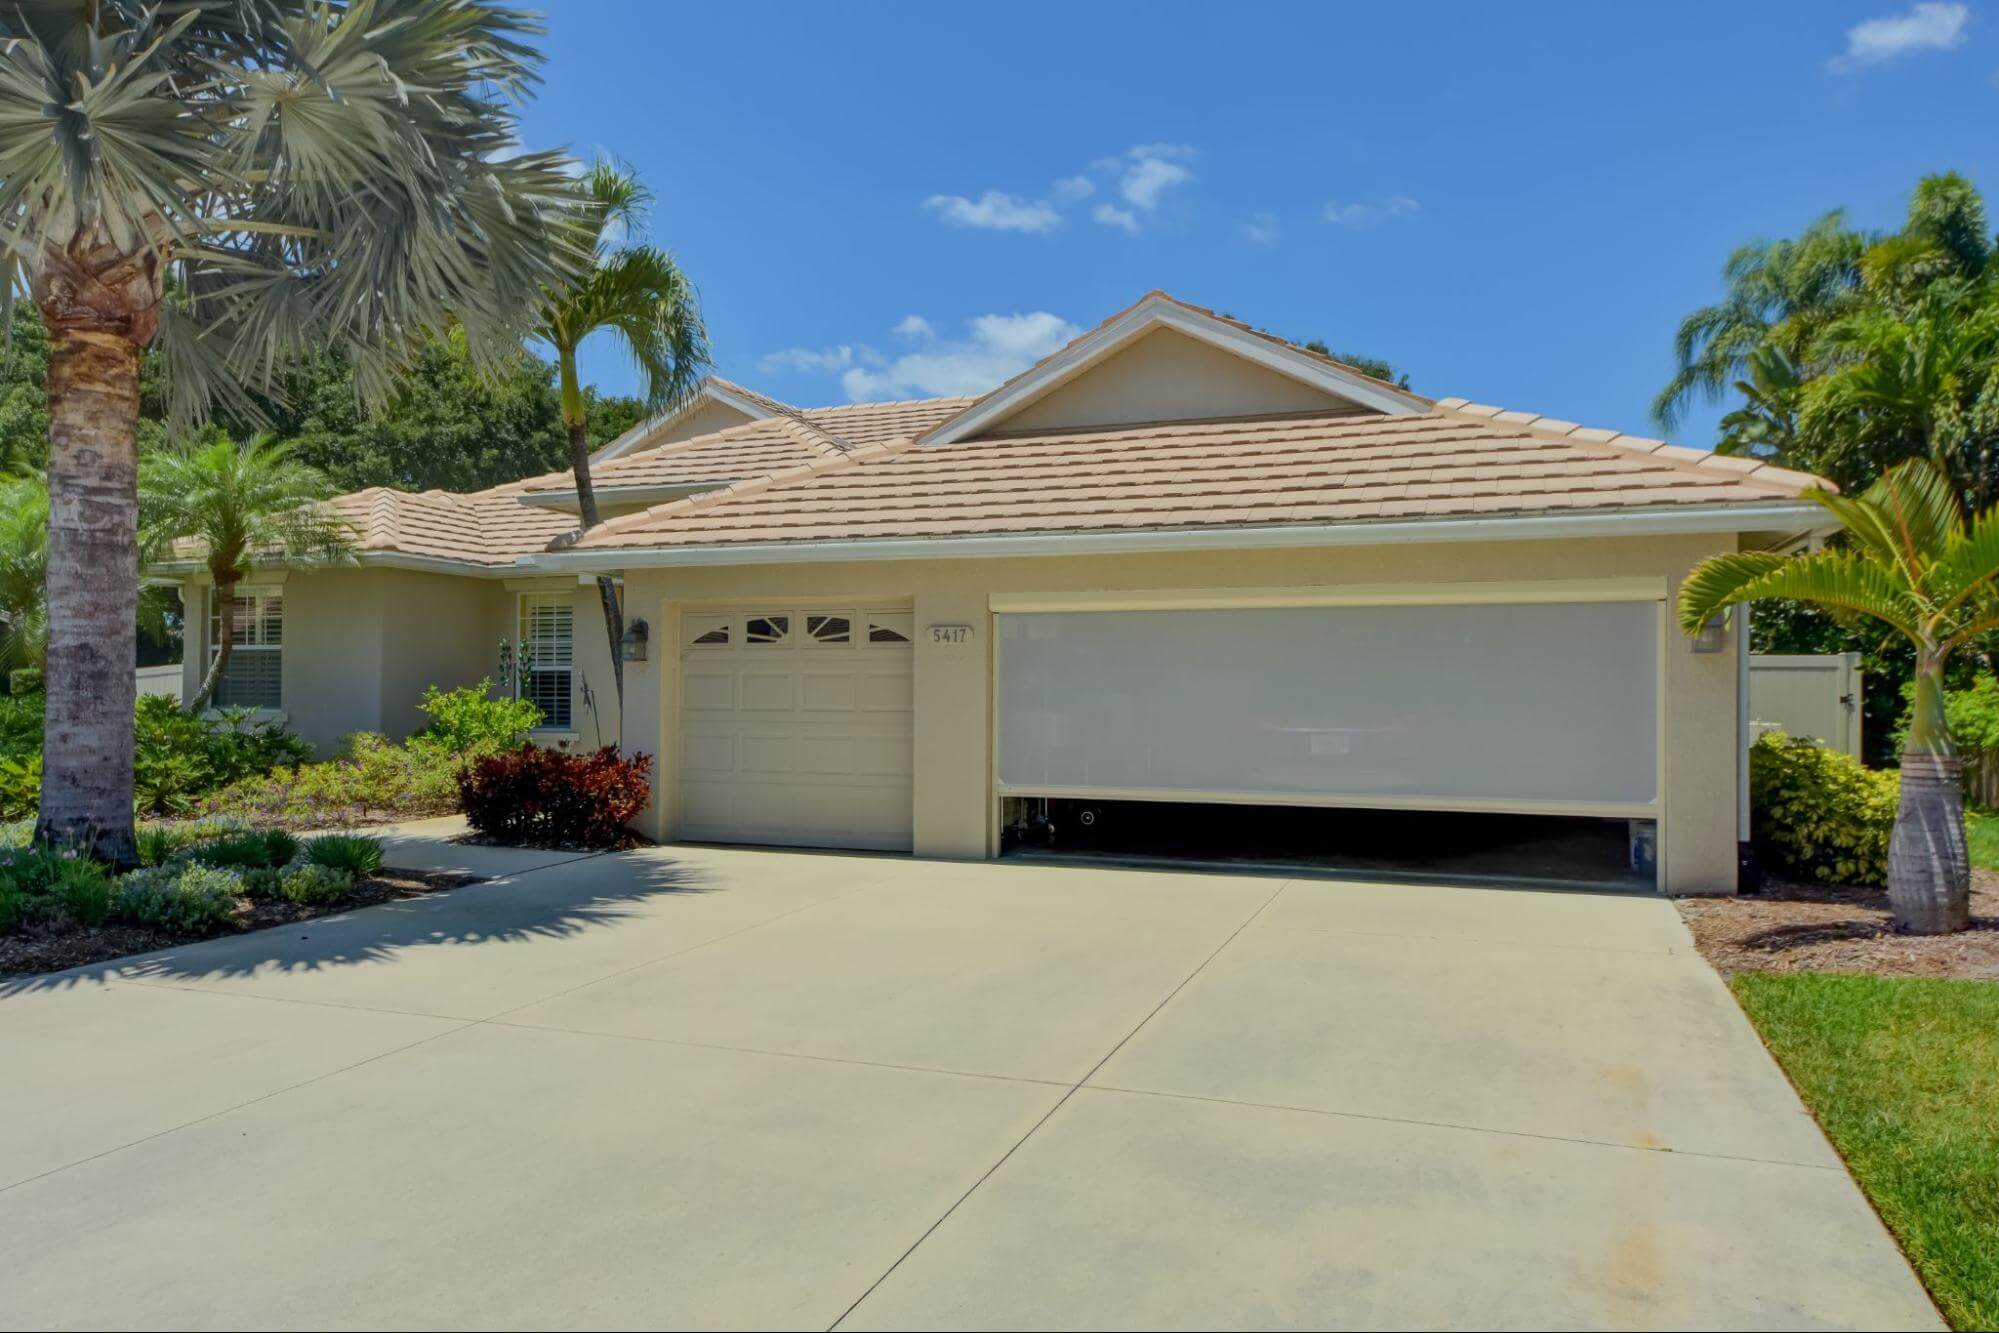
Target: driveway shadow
<point>555,902</point>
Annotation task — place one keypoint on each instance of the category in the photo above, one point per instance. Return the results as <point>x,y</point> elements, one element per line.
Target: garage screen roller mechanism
<point>1541,704</point>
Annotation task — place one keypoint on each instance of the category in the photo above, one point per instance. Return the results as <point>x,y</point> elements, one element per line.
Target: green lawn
<point>1904,1074</point>
<point>1981,831</point>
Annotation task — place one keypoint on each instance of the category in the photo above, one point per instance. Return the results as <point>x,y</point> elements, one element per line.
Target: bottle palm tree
<point>301,176</point>
<point>1909,560</point>
<point>637,293</point>
<point>236,504</point>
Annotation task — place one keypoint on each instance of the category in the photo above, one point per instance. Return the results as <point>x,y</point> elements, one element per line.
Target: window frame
<point>261,596</point>
<point>528,648</point>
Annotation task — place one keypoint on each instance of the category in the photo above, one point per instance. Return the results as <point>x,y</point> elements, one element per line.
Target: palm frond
<point>1842,581</point>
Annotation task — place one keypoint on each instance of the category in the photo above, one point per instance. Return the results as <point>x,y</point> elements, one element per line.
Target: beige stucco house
<point>1179,563</point>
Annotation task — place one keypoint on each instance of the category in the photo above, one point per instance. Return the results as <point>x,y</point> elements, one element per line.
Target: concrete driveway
<point>720,1088</point>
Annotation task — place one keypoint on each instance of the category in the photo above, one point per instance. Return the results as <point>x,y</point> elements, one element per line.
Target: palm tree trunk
<point>578,425</point>
<point>93,593</point>
<point>224,595</point>
<point>1929,872</point>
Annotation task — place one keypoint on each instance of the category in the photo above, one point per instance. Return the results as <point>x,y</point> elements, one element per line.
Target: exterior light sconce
<point>1712,637</point>
<point>637,635</point>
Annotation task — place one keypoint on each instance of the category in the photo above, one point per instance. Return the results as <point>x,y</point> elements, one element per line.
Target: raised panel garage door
<point>796,727</point>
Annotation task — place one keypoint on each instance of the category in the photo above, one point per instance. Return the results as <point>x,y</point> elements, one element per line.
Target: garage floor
<point>708,1087</point>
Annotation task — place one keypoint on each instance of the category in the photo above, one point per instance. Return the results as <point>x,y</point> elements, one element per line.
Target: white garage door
<point>1549,707</point>
<point>796,727</point>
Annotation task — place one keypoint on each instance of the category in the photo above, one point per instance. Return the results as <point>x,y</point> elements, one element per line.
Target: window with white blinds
<point>548,655</point>
<point>254,620</point>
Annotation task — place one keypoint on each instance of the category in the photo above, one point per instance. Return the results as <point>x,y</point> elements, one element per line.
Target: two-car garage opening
<point>1512,741</point>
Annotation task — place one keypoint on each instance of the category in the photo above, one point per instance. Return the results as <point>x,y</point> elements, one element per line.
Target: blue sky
<point>1513,204</point>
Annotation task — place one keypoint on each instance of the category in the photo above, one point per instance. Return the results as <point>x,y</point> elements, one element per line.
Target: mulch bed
<point>1813,928</point>
<point>36,949</point>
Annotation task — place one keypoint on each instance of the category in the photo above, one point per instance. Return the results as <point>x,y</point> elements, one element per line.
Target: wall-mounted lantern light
<point>1712,637</point>
<point>636,636</point>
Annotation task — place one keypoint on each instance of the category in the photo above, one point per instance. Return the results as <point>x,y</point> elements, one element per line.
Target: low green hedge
<point>1818,814</point>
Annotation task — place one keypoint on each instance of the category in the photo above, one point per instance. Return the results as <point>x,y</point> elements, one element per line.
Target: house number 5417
<point>950,634</point>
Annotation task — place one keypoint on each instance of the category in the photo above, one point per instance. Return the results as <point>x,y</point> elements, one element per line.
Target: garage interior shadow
<point>1416,846</point>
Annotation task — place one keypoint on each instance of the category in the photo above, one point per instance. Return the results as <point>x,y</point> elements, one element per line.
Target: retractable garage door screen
<point>1548,706</point>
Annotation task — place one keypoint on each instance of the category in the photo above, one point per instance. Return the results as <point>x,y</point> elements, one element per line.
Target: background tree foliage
<point>1848,352</point>
<point>448,425</point>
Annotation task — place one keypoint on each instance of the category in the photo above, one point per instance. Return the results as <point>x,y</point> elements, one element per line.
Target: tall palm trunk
<point>223,591</point>
<point>577,423</point>
<point>1929,871</point>
<point>93,588</point>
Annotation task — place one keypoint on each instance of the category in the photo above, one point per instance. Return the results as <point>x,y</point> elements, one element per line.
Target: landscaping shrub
<point>314,884</point>
<point>12,905</point>
<point>469,722</point>
<point>372,780</point>
<point>24,680</point>
<point>160,843</point>
<point>20,785</point>
<point>81,889</point>
<point>48,885</point>
<point>261,849</point>
<point>183,898</point>
<point>1819,814</point>
<point>542,796</point>
<point>179,755</point>
<point>355,853</point>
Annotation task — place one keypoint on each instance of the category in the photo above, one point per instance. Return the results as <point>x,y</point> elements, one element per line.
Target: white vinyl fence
<point>160,680</point>
<point>1816,695</point>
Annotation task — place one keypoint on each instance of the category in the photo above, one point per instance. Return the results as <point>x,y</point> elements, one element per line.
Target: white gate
<point>1816,695</point>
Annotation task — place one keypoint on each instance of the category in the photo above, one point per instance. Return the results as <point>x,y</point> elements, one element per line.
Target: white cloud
<point>1138,179</point>
<point>1372,214</point>
<point>995,211</point>
<point>808,360</point>
<point>1261,229</point>
<point>1933,25</point>
<point>1113,216</point>
<point>994,348</point>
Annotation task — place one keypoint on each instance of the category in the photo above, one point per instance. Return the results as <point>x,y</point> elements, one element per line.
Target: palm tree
<point>1923,383</point>
<point>299,175</point>
<point>1909,560</point>
<point>1779,293</point>
<point>1766,425</point>
<point>637,293</point>
<point>236,504</point>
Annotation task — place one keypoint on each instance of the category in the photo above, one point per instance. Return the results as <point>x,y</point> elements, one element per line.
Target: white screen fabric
<point>1481,704</point>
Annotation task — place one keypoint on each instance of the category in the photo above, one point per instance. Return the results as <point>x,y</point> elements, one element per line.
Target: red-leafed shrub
<point>539,797</point>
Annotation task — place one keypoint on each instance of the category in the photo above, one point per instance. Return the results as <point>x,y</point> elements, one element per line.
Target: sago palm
<point>1908,560</point>
<point>235,504</point>
<point>301,174</point>
<point>636,293</point>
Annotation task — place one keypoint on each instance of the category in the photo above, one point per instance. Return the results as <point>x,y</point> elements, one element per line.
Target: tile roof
<point>856,472</point>
<point>1457,458</point>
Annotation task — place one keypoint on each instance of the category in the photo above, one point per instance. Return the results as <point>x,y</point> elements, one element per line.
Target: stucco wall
<point>362,645</point>
<point>955,806</point>
<point>1167,376</point>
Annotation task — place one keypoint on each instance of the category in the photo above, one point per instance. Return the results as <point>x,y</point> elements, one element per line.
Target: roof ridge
<point>1754,470</point>
<point>816,436</point>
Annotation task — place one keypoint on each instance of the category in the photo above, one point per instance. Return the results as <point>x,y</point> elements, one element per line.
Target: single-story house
<point>1178,562</point>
